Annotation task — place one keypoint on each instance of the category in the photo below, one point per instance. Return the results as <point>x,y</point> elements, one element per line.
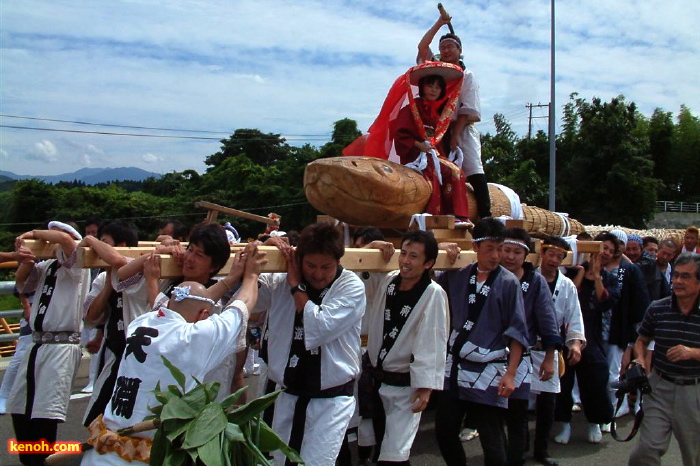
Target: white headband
<point>516,242</point>
<point>450,39</point>
<point>65,228</point>
<point>485,238</point>
<point>180,293</point>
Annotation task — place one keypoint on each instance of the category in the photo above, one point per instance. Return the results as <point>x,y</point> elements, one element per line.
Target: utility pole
<point>552,114</point>
<point>529,119</point>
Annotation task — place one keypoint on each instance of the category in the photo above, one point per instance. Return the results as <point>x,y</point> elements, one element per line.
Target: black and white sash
<point>476,301</point>
<point>47,293</point>
<point>302,375</point>
<point>399,305</point>
<point>115,341</point>
<point>525,281</point>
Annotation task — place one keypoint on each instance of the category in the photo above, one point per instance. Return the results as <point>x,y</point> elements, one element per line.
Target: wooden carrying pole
<point>359,260</point>
<point>215,209</point>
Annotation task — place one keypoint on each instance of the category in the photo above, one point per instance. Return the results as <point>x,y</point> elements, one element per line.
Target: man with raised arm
<point>313,345</point>
<point>186,332</point>
<point>104,306</point>
<point>207,252</point>
<point>407,319</point>
<point>484,349</point>
<point>462,133</point>
<point>39,399</point>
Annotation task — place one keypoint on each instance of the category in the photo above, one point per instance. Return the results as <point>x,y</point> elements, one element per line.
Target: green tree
<point>264,149</point>
<point>507,161</point>
<point>661,132</point>
<point>344,132</point>
<point>33,202</point>
<point>686,156</point>
<point>607,176</point>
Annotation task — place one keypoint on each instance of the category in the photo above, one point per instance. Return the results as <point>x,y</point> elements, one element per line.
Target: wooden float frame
<point>359,260</point>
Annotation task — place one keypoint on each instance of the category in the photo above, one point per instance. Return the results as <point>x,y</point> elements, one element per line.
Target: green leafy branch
<point>195,429</point>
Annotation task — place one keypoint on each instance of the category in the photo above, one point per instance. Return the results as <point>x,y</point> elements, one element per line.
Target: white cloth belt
<point>456,157</point>
<point>571,240</point>
<point>565,225</point>
<point>419,219</point>
<point>516,208</point>
<point>421,163</point>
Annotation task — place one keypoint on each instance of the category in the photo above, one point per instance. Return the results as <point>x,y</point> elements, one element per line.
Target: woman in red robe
<point>415,148</point>
<point>410,130</point>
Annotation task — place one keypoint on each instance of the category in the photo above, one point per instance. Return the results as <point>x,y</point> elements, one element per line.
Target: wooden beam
<point>513,223</point>
<point>589,246</point>
<point>360,260</point>
<point>211,207</point>
<point>41,249</point>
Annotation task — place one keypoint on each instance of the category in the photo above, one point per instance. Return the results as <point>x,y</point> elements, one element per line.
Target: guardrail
<point>677,206</point>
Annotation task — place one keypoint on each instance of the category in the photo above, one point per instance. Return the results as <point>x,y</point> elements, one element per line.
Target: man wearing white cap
<point>39,398</point>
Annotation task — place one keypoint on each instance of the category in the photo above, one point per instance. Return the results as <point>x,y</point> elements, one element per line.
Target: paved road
<point>425,451</point>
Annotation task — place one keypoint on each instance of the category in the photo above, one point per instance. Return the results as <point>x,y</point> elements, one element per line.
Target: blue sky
<point>296,67</point>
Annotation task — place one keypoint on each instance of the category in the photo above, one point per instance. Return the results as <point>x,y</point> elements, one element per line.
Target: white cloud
<point>218,65</point>
<point>4,154</point>
<point>44,151</point>
<point>151,158</point>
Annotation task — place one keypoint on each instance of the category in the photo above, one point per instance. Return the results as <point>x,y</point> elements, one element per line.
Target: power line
<point>112,125</point>
<point>162,136</point>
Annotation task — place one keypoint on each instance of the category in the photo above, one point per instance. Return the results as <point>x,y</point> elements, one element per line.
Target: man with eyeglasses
<point>672,406</point>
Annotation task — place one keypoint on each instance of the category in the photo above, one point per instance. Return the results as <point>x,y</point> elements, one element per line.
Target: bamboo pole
<point>211,207</point>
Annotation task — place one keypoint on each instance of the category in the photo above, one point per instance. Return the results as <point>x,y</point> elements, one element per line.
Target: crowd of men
<point>367,351</point>
<point>485,343</point>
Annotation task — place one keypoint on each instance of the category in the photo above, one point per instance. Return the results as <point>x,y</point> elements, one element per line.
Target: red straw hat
<point>447,70</point>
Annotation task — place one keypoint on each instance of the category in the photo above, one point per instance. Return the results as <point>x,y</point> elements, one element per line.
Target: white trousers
<point>401,423</point>
<point>614,356</point>
<point>8,379</point>
<point>326,422</point>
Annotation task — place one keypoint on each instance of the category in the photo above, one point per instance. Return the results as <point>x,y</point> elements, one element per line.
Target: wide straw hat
<point>447,70</point>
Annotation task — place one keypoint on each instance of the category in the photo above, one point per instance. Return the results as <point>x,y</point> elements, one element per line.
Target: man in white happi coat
<point>207,252</point>
<point>39,399</point>
<point>314,316</point>
<point>104,307</point>
<point>190,337</point>
<point>567,310</point>
<point>408,328</point>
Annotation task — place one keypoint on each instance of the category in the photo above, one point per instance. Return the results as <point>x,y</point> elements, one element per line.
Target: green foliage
<point>608,160</point>
<point>344,132</point>
<point>195,429</point>
<point>685,166</point>
<point>612,164</point>
<point>265,149</point>
<point>510,161</point>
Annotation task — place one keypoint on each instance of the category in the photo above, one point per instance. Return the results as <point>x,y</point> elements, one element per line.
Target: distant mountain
<point>89,176</point>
